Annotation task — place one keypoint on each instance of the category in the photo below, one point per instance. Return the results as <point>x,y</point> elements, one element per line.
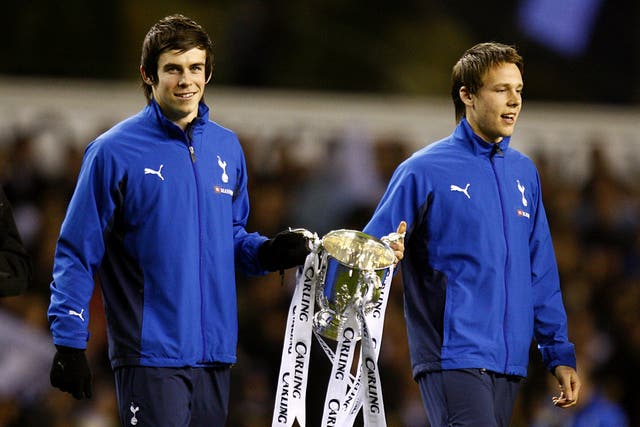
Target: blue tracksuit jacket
<point>159,215</point>
<point>479,274</point>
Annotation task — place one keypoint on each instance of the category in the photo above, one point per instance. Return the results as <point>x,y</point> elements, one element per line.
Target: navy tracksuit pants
<point>468,397</point>
<point>172,397</point>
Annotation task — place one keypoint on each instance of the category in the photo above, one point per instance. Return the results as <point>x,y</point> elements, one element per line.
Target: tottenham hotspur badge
<point>223,166</point>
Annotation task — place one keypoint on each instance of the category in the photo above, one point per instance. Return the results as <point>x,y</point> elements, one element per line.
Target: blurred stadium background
<point>327,98</point>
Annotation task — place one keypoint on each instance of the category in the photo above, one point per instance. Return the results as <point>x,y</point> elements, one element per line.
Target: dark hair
<point>473,65</point>
<point>175,32</point>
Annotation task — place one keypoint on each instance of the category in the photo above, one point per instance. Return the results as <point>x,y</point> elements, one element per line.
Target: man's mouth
<point>186,95</point>
<point>509,118</point>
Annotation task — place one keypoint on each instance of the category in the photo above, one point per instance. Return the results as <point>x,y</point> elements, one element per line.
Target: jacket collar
<point>477,145</point>
<point>153,110</point>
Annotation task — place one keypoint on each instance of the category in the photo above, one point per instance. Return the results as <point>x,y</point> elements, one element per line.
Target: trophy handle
<point>372,285</point>
<point>322,299</point>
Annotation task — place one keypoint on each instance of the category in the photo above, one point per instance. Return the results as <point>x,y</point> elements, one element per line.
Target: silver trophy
<point>352,268</point>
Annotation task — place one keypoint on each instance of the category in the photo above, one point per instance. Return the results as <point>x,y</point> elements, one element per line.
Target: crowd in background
<point>595,225</point>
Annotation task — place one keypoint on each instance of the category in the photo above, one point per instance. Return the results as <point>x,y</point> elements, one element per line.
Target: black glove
<point>287,249</point>
<point>70,372</point>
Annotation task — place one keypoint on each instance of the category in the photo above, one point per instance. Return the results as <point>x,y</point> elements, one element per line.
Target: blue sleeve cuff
<point>560,354</point>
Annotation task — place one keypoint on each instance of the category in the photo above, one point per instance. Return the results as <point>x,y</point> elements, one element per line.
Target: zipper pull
<point>192,152</point>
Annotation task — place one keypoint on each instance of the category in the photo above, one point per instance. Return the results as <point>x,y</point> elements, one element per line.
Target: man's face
<point>180,85</point>
<point>492,111</point>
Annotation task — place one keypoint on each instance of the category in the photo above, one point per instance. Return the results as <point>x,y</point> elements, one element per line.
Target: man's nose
<point>515,99</point>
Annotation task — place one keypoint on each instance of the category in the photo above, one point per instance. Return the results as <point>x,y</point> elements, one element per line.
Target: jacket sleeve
<point>550,318</point>
<point>245,244</point>
<point>15,263</point>
<point>81,247</point>
<point>399,203</point>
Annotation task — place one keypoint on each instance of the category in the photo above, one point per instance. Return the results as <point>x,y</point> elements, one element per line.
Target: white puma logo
<point>75,313</point>
<point>521,188</point>
<point>134,409</point>
<point>154,172</point>
<point>462,190</point>
<point>223,166</point>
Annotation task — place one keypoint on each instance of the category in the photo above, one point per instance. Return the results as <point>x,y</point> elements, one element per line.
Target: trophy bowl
<point>352,267</point>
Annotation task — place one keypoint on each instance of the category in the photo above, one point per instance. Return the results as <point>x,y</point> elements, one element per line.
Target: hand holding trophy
<point>396,241</point>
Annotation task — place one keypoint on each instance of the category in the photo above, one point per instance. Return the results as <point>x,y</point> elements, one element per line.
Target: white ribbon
<point>294,364</point>
<point>372,326</point>
<point>373,410</point>
<point>340,380</point>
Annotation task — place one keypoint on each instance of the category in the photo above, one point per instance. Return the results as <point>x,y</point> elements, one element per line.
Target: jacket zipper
<point>497,151</point>
<point>192,154</point>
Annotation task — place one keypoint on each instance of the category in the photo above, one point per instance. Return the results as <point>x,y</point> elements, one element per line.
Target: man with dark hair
<point>479,273</point>
<point>159,213</point>
<point>15,264</point>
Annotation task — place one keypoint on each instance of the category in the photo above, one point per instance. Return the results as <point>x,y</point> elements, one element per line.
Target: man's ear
<point>466,96</point>
<point>148,80</point>
<point>209,78</point>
